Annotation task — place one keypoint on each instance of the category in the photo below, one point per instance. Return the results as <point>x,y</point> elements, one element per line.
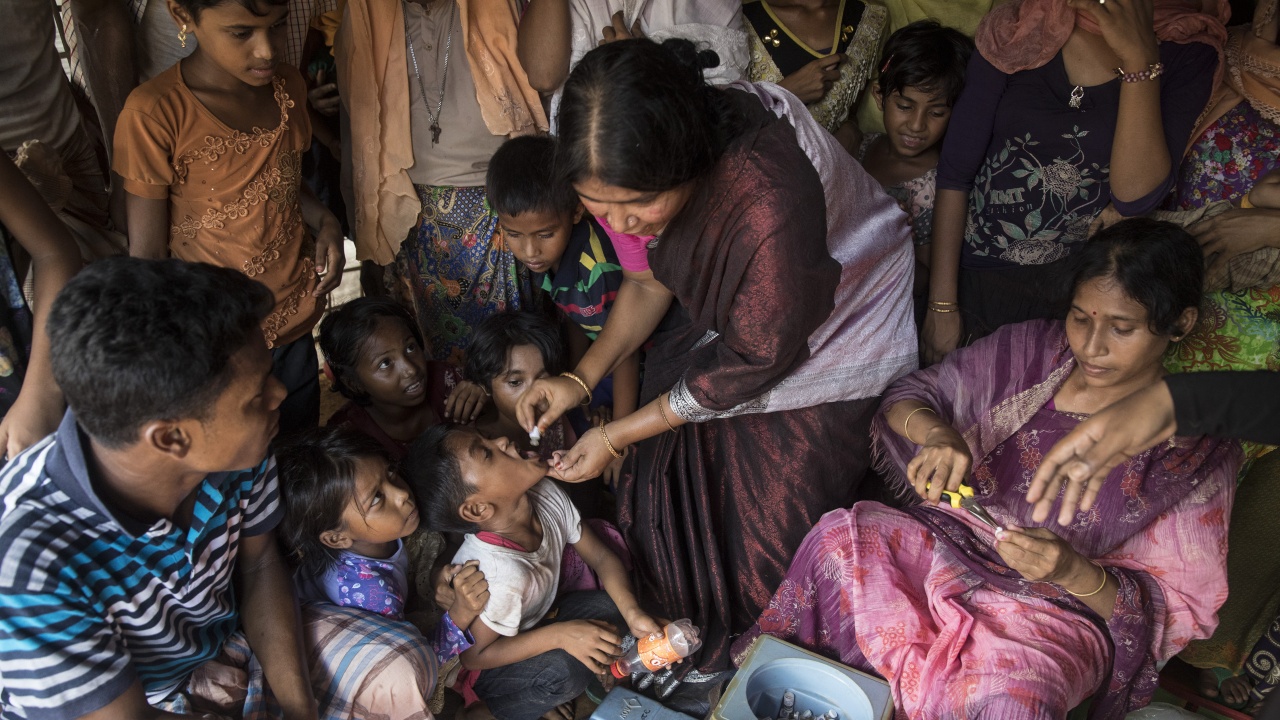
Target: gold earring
<point>182,35</point>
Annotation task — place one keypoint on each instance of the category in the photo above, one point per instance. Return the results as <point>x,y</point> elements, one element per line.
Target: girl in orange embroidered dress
<point>210,155</point>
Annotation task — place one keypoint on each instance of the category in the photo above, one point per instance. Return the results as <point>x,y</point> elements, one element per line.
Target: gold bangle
<point>1244,201</point>
<point>612,451</point>
<point>1095,592</point>
<point>907,422</point>
<point>943,303</point>
<point>664,412</point>
<point>577,379</point>
<point>943,310</point>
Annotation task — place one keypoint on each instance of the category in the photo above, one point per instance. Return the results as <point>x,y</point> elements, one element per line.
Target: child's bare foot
<point>1207,683</point>
<point>475,711</point>
<point>1235,690</point>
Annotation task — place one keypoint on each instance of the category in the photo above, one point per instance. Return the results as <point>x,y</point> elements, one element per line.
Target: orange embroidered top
<point>233,196</point>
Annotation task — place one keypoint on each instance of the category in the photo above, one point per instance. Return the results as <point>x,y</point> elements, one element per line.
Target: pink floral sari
<point>920,597</point>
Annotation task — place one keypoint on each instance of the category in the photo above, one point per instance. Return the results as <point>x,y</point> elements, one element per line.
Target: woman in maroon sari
<point>965,620</point>
<point>792,273</point>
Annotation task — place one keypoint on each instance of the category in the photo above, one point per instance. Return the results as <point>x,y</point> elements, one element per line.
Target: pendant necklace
<point>448,43</point>
<point>1077,94</point>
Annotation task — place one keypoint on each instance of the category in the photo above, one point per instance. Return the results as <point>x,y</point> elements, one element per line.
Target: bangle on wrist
<point>907,422</point>
<point>1100,587</point>
<point>940,306</point>
<point>579,380</point>
<point>612,450</point>
<point>1245,204</point>
<point>663,412</point>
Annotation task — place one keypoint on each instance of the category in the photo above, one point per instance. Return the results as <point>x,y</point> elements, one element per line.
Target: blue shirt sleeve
<point>264,510</point>
<point>59,658</point>
<point>450,641</point>
<point>353,582</point>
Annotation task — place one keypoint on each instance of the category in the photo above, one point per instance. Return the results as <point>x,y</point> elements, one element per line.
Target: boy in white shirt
<point>518,524</point>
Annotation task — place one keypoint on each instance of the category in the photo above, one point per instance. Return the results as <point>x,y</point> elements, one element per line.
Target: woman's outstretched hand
<point>546,400</point>
<point>944,459</point>
<point>1083,459</point>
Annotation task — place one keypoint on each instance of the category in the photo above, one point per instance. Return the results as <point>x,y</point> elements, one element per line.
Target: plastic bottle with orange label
<point>676,642</point>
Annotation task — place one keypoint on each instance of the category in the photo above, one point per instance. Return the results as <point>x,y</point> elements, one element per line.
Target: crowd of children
<point>605,378</point>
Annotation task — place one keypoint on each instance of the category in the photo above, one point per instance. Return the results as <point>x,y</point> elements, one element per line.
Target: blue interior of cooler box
<point>772,667</point>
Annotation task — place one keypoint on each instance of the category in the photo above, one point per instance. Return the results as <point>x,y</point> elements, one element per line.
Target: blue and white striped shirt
<point>91,599</point>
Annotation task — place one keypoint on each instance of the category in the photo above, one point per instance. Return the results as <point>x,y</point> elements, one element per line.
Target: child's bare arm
<point>626,387</point>
<point>608,567</point>
<point>54,259</point>
<point>592,642</point>
<point>148,226</point>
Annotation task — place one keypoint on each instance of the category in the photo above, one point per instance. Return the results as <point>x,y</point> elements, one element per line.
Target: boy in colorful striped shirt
<point>544,224</point>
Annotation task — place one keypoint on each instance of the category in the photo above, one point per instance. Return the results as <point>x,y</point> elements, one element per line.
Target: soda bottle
<point>677,641</point>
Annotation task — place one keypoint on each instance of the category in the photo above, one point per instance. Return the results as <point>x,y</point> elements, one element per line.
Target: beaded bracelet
<point>1151,73</point>
<point>586,389</point>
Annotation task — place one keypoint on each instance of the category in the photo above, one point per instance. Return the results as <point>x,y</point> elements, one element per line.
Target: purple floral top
<point>1228,158</point>
<point>380,586</point>
<point>915,196</point>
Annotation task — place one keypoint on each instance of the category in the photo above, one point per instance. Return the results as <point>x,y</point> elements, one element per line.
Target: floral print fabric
<point>1236,330</point>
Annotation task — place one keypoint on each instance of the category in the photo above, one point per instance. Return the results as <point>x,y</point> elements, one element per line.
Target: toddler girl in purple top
<point>346,512</point>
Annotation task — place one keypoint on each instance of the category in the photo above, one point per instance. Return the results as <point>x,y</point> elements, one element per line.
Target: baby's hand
<point>593,642</point>
<point>470,591</point>
<point>465,402</point>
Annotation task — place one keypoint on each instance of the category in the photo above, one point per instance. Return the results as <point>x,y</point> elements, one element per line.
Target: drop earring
<point>182,35</point>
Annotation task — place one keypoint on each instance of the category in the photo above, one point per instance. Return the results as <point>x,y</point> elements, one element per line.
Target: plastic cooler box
<point>772,667</point>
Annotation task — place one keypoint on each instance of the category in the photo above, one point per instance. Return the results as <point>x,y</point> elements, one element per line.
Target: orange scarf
<point>1026,34</point>
<point>374,78</point>
<point>1252,70</point>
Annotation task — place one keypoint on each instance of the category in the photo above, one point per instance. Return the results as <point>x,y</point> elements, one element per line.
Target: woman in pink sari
<point>967,621</point>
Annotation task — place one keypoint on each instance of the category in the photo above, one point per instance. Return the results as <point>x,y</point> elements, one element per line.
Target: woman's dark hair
<point>135,340</point>
<point>522,178</point>
<point>638,115</point>
<point>434,475</point>
<point>491,343</point>
<point>927,56</point>
<point>317,481</point>
<point>344,332</point>
<point>257,7</point>
<point>1157,264</point>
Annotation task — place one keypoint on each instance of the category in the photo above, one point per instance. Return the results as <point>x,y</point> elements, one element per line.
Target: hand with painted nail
<point>584,461</point>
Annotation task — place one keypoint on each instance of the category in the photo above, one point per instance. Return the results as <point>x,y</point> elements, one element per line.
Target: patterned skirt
<point>454,270</point>
<point>362,665</point>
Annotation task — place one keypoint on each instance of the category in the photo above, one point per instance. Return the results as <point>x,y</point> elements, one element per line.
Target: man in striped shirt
<point>123,533</point>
